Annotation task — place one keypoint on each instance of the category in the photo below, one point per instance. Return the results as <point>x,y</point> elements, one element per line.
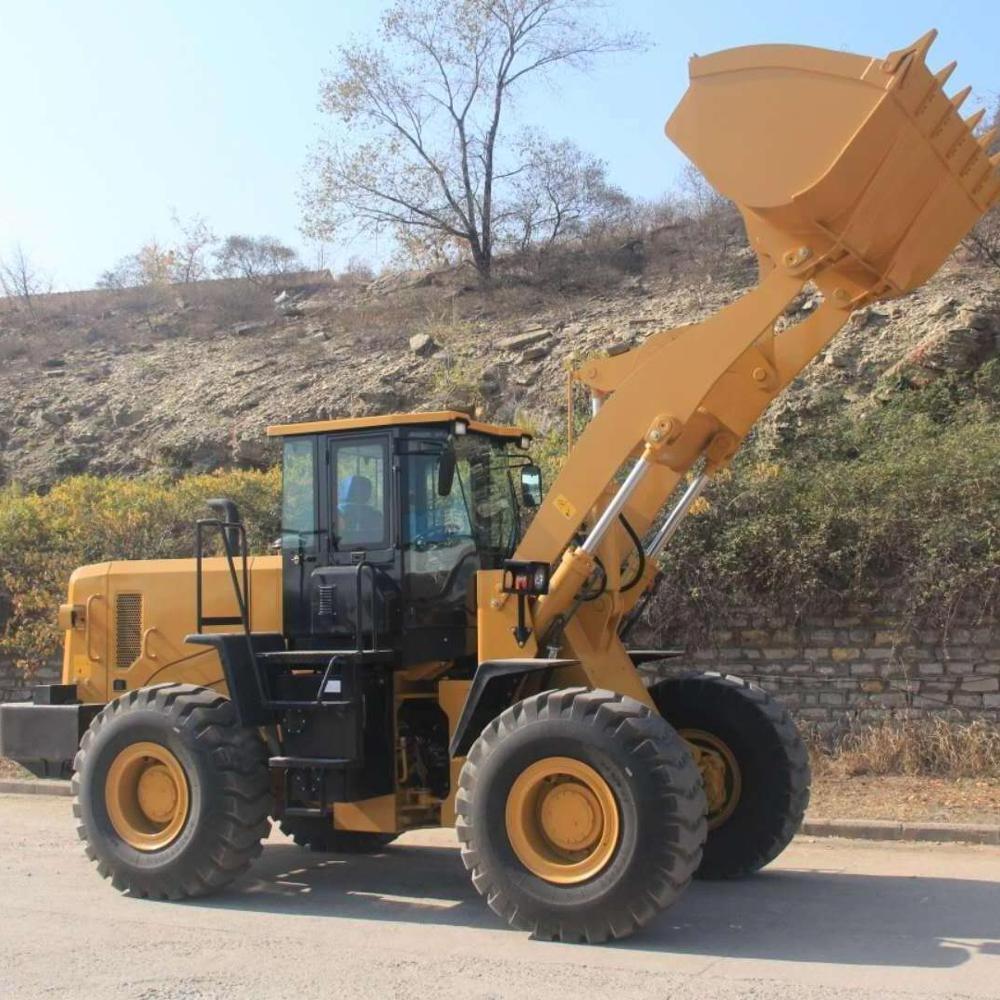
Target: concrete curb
<point>34,786</point>
<point>886,829</point>
<point>853,829</point>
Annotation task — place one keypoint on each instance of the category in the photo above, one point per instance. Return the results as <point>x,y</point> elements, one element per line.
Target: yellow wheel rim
<point>719,773</point>
<point>562,820</point>
<point>147,796</point>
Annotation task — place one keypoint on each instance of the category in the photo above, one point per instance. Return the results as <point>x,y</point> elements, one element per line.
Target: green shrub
<point>897,508</point>
<point>86,519</point>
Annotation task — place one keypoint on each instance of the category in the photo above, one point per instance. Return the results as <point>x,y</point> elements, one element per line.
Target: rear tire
<point>319,835</point>
<point>770,757</point>
<point>171,794</point>
<point>608,756</point>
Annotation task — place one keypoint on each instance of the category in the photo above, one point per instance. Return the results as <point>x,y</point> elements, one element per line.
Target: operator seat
<point>359,523</point>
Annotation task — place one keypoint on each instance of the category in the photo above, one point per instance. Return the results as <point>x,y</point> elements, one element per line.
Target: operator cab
<point>385,521</point>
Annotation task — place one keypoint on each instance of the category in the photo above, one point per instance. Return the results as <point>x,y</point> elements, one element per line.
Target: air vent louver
<point>128,629</point>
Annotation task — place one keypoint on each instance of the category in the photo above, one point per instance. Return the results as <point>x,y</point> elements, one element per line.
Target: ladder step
<point>321,657</point>
<point>319,763</point>
<point>311,705</point>
<point>303,811</point>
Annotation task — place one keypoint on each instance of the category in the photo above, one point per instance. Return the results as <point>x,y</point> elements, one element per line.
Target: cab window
<point>298,511</point>
<point>361,506</point>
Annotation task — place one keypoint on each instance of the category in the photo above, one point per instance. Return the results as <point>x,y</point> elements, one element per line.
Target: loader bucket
<point>862,163</point>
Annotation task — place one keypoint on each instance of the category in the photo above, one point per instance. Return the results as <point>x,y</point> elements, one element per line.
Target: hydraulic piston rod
<point>617,505</point>
<point>676,516</point>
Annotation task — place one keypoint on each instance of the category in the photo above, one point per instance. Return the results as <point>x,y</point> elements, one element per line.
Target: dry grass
<point>906,799</point>
<point>915,747</point>
<point>8,769</point>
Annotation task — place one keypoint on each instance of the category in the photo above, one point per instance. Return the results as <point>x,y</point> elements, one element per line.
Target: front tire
<point>171,794</point>
<point>580,814</point>
<point>755,766</point>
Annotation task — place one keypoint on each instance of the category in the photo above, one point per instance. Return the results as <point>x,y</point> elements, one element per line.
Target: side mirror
<point>531,486</point>
<point>446,471</point>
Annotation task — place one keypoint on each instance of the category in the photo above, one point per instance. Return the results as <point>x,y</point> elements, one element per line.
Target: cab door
<point>303,542</point>
<point>359,505</point>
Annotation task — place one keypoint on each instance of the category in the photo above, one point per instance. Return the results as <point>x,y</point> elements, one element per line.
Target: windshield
<point>480,508</point>
<point>454,523</point>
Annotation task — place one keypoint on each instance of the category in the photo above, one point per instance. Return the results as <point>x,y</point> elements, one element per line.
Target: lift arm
<point>855,174</point>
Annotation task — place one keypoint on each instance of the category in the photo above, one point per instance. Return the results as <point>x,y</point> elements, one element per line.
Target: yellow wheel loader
<point>411,657</point>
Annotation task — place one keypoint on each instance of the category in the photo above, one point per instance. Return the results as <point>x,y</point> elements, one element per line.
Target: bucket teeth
<point>973,120</point>
<point>942,75</point>
<point>922,45</point>
<point>988,138</point>
<point>959,99</point>
<point>895,60</point>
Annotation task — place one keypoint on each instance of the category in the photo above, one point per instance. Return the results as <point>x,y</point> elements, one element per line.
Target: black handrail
<point>242,593</point>
<point>372,611</point>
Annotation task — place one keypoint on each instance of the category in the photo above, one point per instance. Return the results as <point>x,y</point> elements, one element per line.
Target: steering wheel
<point>439,537</point>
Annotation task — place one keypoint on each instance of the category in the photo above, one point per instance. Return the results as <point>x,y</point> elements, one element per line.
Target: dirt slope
<point>107,386</point>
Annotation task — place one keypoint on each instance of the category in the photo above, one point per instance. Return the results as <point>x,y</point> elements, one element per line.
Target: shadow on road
<point>807,915</point>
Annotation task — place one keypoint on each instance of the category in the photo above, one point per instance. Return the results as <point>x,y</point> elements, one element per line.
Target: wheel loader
<point>437,643</point>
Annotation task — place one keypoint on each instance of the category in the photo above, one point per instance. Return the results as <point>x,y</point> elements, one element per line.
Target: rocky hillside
<point>131,382</point>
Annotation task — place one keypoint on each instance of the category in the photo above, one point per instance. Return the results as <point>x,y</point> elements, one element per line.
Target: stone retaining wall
<point>14,686</point>
<point>833,670</point>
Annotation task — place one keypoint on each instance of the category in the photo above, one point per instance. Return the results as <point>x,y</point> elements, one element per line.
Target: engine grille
<point>326,599</point>
<point>128,629</point>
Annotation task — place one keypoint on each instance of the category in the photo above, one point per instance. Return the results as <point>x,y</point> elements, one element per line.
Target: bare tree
<point>420,147</point>
<point>21,278</point>
<point>983,243</point>
<point>717,225</point>
<point>561,192</point>
<point>256,258</point>
<point>195,238</point>
<point>357,272</point>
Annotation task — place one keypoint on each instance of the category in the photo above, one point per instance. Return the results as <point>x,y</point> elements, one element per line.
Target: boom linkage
<point>864,197</point>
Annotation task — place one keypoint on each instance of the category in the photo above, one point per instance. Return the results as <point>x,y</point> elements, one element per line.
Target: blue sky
<point>114,113</point>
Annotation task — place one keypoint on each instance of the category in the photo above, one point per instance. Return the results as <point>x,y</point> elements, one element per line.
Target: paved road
<point>832,920</point>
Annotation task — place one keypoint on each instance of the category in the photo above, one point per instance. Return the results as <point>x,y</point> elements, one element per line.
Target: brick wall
<point>865,666</point>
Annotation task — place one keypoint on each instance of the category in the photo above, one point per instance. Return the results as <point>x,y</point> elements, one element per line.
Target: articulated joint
<point>720,450</point>
<point>663,431</point>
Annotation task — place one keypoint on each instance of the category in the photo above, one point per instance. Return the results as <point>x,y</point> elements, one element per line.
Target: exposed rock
<point>255,451</point>
<point>125,416</point>
<point>380,400</point>
<point>243,329</point>
<point>958,350</point>
<point>422,344</point>
<point>288,304</point>
<point>491,381</point>
<point>393,282</point>
<point>942,306</point>
<point>535,353</point>
<point>974,318</point>
<point>523,340</point>
<point>57,418</point>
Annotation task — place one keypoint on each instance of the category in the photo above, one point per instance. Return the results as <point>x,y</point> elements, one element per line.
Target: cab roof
<point>395,419</point>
